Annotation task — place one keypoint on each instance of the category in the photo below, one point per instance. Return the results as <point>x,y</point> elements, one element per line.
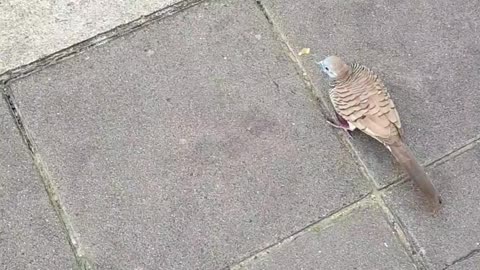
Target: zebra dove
<point>361,101</point>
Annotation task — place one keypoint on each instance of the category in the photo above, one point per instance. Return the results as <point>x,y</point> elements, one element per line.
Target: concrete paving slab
<point>33,29</point>
<point>361,239</point>
<point>188,144</point>
<point>455,232</point>
<point>426,52</point>
<point>30,234</point>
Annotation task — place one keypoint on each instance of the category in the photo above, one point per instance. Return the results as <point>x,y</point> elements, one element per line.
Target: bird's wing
<point>364,102</point>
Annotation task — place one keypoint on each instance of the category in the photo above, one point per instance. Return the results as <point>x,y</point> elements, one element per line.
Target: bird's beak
<point>321,66</point>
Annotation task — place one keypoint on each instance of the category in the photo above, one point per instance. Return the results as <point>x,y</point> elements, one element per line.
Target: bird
<point>361,101</point>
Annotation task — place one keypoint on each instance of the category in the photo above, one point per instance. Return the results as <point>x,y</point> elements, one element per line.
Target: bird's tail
<point>405,157</point>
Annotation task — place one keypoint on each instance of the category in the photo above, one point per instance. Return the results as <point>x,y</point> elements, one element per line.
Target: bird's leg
<point>340,126</point>
<point>342,120</point>
<point>344,128</point>
<point>343,124</point>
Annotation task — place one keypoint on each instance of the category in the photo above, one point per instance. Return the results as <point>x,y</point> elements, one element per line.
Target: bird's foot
<point>342,126</point>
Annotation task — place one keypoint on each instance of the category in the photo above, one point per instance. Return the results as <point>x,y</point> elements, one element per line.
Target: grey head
<point>334,67</point>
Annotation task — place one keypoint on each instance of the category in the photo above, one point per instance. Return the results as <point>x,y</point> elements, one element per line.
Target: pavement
<point>192,135</point>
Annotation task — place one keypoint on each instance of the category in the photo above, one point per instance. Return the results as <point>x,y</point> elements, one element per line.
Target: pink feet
<point>343,124</point>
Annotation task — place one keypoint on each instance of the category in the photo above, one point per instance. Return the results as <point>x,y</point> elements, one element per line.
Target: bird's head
<point>334,67</point>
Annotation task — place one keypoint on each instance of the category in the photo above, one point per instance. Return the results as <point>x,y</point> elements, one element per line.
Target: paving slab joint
<point>405,239</point>
<point>463,258</point>
<point>469,145</point>
<point>82,262</point>
<point>99,39</point>
<point>317,226</point>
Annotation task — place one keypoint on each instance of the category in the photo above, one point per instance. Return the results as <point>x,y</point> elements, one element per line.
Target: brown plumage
<point>361,98</point>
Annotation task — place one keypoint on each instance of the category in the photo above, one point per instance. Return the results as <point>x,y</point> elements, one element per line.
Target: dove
<point>361,101</point>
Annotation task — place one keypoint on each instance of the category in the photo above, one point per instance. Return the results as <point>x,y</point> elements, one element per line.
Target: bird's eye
<point>326,68</point>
